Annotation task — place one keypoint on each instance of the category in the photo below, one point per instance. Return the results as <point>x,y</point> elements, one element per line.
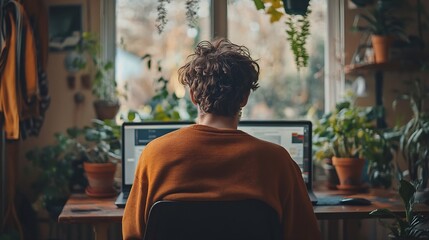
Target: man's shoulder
<point>176,135</point>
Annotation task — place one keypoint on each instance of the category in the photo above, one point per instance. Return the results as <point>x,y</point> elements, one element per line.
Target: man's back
<point>206,163</point>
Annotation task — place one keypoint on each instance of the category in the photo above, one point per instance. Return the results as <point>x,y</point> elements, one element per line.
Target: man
<point>212,160</point>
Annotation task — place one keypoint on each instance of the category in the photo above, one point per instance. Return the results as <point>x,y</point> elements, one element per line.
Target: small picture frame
<point>65,26</point>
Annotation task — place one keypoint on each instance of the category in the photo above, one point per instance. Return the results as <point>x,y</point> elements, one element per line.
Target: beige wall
<point>62,112</point>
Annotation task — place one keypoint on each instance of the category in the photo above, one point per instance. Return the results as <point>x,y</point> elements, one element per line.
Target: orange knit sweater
<point>204,163</point>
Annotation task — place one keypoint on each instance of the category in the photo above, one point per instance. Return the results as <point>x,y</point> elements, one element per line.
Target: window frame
<point>334,50</point>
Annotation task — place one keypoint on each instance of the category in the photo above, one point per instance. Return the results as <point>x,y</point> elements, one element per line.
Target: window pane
<point>284,94</point>
<point>137,35</point>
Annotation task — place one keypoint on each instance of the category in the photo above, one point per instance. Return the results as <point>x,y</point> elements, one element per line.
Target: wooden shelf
<point>358,69</point>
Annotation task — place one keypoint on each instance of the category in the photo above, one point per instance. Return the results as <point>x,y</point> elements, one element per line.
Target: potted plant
<point>414,138</point>
<point>100,146</point>
<point>103,82</point>
<point>344,135</point>
<point>413,226</point>
<point>382,25</point>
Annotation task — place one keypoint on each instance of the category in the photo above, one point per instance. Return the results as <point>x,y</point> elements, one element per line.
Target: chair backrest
<point>206,220</point>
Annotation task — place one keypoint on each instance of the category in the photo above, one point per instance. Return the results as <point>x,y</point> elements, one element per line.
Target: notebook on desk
<point>295,136</point>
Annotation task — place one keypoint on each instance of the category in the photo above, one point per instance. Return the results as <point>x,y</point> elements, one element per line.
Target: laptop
<point>135,137</point>
<point>295,137</point>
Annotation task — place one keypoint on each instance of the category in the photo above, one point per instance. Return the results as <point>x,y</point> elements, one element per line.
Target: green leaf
<point>131,116</point>
<point>406,191</point>
<point>259,4</point>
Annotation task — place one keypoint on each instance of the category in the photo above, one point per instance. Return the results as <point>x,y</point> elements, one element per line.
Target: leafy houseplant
<point>60,165</point>
<point>412,226</point>
<point>104,84</point>
<point>100,148</point>
<point>298,25</point>
<point>346,134</point>
<point>382,25</point>
<point>414,135</point>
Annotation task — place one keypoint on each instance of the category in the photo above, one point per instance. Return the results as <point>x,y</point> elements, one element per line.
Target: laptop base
<point>120,201</point>
<point>312,197</point>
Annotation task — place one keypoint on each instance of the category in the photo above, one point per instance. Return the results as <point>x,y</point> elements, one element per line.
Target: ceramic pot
<point>296,7</point>
<point>381,44</point>
<point>100,179</point>
<point>349,172</point>
<point>106,110</point>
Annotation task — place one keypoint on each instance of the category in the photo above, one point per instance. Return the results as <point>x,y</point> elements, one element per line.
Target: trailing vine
<point>161,20</point>
<point>298,29</point>
<point>192,7</point>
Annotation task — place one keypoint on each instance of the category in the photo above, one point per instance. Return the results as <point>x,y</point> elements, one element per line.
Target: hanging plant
<point>298,29</point>
<point>161,20</point>
<point>192,7</point>
<point>297,22</point>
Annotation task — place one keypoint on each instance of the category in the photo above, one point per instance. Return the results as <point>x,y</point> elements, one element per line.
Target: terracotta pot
<point>105,110</point>
<point>100,179</point>
<point>349,172</point>
<point>381,44</point>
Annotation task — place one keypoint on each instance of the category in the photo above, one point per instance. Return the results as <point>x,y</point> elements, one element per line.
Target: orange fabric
<point>8,87</point>
<point>204,163</point>
<point>12,104</point>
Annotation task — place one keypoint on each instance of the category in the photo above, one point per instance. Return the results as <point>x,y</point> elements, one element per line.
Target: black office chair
<point>213,220</point>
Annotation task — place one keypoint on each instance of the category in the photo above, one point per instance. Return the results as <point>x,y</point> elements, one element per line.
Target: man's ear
<point>245,99</point>
<point>191,93</point>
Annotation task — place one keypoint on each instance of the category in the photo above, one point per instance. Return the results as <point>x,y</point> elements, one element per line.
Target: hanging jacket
<point>19,88</point>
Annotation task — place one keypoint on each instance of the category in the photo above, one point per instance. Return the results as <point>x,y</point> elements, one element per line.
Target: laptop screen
<point>294,136</point>
<point>135,137</point>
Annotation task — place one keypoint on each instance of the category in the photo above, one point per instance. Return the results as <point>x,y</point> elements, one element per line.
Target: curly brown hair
<point>220,75</point>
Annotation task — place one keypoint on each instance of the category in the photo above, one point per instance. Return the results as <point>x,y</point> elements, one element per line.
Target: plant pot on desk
<point>349,172</point>
<point>100,179</point>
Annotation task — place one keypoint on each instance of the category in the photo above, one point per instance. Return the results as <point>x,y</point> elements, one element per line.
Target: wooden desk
<point>100,212</point>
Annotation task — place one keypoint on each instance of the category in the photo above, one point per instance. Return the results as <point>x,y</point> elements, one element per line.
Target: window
<point>137,35</point>
<point>284,94</point>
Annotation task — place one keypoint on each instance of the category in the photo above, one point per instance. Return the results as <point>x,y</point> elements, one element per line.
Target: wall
<point>63,112</point>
